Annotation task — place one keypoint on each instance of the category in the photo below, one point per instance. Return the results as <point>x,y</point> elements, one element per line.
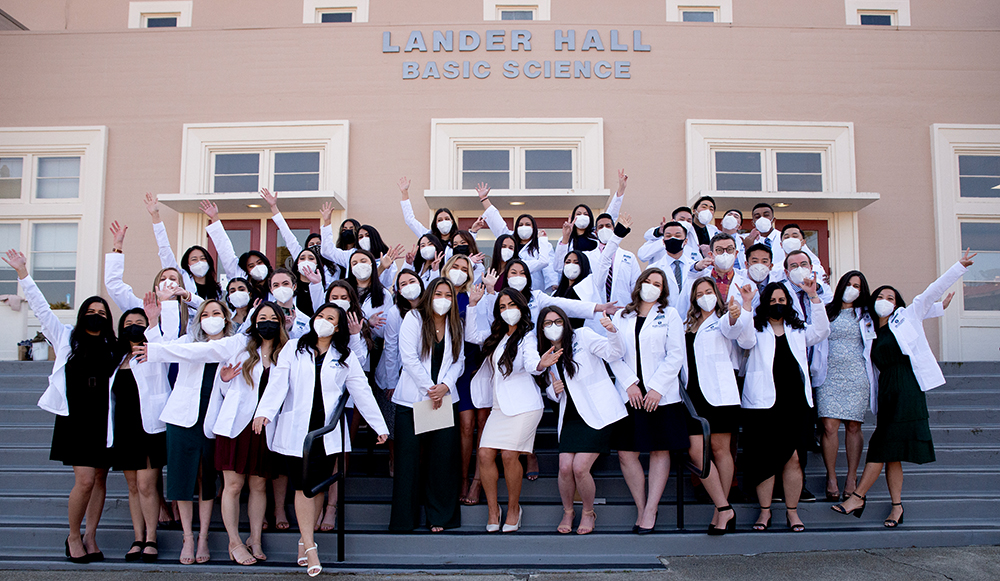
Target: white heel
<point>513,529</point>
<point>315,569</point>
<point>493,528</point>
<point>301,561</point>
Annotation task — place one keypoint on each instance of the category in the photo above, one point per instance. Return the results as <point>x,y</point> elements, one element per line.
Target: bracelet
<point>117,251</point>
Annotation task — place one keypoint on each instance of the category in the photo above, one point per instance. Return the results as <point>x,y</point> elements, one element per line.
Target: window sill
<point>534,200</point>
<point>797,201</point>
<point>238,203</point>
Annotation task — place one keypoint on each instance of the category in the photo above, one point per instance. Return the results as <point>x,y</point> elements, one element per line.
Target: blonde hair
<point>227,331</point>
<point>180,304</point>
<point>464,287</point>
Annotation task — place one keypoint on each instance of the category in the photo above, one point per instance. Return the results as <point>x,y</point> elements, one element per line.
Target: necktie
<point>803,302</point>
<point>607,283</point>
<point>767,241</point>
<point>677,272</point>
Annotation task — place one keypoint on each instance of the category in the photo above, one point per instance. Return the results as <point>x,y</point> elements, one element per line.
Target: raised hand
<point>152,206</point>
<point>705,262</point>
<point>809,285</point>
<point>483,190</point>
<point>549,358</point>
<point>312,276</point>
<point>210,210</point>
<point>404,187</point>
<point>751,236</point>
<point>478,225</point>
<point>17,261</point>
<point>734,309</point>
<point>747,292</point>
<point>410,256</point>
<point>393,254</point>
<point>118,231</point>
<point>608,325</point>
<point>167,292</point>
<point>271,199</point>
<point>966,260</point>
<point>567,231</point>
<point>476,294</point>
<point>477,258</point>
<point>609,309</point>
<point>436,264</point>
<point>258,424</point>
<point>622,182</point>
<point>634,396</point>
<point>229,372</point>
<point>652,400</point>
<point>663,224</point>
<point>490,280</point>
<point>139,352</point>
<point>947,300</point>
<point>151,307</point>
<point>376,320</point>
<point>625,219</point>
<point>354,325</point>
<point>325,212</point>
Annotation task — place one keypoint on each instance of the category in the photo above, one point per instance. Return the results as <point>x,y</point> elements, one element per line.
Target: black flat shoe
<point>95,557</point>
<point>136,556</point>
<point>759,527</point>
<point>150,557</point>
<point>839,508</point>
<point>890,523</point>
<point>78,560</point>
<point>730,527</point>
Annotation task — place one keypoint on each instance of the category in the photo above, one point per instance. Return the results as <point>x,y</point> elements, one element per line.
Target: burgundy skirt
<point>245,454</point>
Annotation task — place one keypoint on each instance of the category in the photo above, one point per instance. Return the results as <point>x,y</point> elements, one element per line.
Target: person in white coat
<point>764,232</point>
<point>505,383</point>
<point>310,377</point>
<point>792,239</point>
<point>532,244</point>
<point>618,269</point>
<point>443,224</point>
<point>252,265</point>
<point>431,349</point>
<point>648,380</point>
<point>703,224</point>
<point>777,397</point>
<point>578,282</point>
<point>720,266</point>
<point>906,369</point>
<point>672,260</point>
<point>282,285</point>
<point>196,264</point>
<point>588,403</point>
<point>79,393</point>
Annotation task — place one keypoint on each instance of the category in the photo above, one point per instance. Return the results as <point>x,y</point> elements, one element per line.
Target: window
<point>517,10</point>
<point>294,171</point>
<point>751,171</point>
<point>709,11</point>
<point>53,262</point>
<point>981,284</point>
<point>518,168</point>
<point>517,14</point>
<point>877,12</point>
<point>978,175</point>
<point>10,177</point>
<point>319,11</point>
<point>58,177</point>
<point>55,177</point>
<point>10,238</point>
<point>336,16</point>
<point>160,14</point>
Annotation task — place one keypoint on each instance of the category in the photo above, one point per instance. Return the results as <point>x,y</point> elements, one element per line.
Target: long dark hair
<point>499,330</point>
<point>454,322</point>
<point>319,267</point>
<point>401,302</point>
<point>105,339</point>
<point>339,340</point>
<point>342,240</point>
<point>418,260</point>
<point>564,283</point>
<point>837,304</point>
<point>377,246</point>
<point>317,249</point>
<point>526,291</point>
<point>258,289</point>
<point>900,303</point>
<point>254,340</point>
<point>663,301</point>
<point>211,277</point>
<point>124,346</point>
<point>375,289</point>
<point>469,239</point>
<point>355,309</point>
<point>587,240</point>
<point>760,317</point>
<point>566,363</point>
<point>497,260</point>
<point>532,243</point>
<point>434,224</point>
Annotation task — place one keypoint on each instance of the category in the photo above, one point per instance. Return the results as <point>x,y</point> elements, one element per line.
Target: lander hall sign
<point>597,65</point>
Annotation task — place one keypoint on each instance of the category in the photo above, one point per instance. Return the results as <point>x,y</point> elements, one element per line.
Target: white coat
<point>516,393</point>
<point>652,250</point>
<point>537,301</point>
<point>290,388</point>
<point>122,295</point>
<point>623,276</point>
<point>389,366</point>
<point>169,260</point>
<point>586,289</point>
<point>676,297</point>
<point>716,358</point>
<point>663,351</point>
<point>416,377</point>
<point>537,261</point>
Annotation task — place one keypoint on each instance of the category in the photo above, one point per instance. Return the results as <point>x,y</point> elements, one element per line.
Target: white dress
<point>503,432</point>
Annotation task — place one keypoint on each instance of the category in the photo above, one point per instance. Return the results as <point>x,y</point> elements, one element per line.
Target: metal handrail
<point>339,475</point>
<point>706,456</point>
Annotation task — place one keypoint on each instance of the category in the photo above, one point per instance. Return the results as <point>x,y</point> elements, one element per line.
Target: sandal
<point>562,529</point>
<point>200,557</point>
<point>891,523</point>
<point>247,560</point>
<point>839,508</point>
<point>760,527</point>
<point>257,550</point>
<point>314,570</point>
<point>301,561</point>
<point>150,557</point>
<point>582,531</point>
<point>131,557</point>
<point>187,556</point>
<point>799,528</point>
<point>329,526</point>
<point>730,527</point>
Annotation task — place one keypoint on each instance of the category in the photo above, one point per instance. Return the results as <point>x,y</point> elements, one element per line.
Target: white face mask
<point>428,252</point>
<point>707,302</point>
<point>441,306</point>
<point>582,221</point>
<point>797,275</point>
<point>571,270</point>
<point>444,226</point>
<point>524,232</point>
<point>511,316</point>
<point>365,243</point>
<point>199,268</point>
<point>259,272</point>
<point>362,271</point>
<point>306,265</point>
<point>723,262</point>
<point>167,284</point>
<point>410,291</point>
<point>283,294</point>
<point>884,308</point>
<point>517,282</point>
<point>705,217</point>
<point>649,293</point>
<point>553,332</point>
<point>851,294</point>
<point>457,277</point>
<point>506,254</point>
<point>213,325</point>
<point>758,272</point>
<point>342,303</point>
<point>239,299</point>
<point>604,234</point>
<point>791,245</point>
<point>763,225</point>
<point>323,327</point>
<point>730,222</point>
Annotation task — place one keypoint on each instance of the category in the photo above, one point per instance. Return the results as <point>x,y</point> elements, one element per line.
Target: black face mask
<point>777,311</point>
<point>348,237</point>
<point>461,249</point>
<point>135,333</point>
<point>267,329</point>
<point>94,322</point>
<point>314,249</point>
<point>673,245</point>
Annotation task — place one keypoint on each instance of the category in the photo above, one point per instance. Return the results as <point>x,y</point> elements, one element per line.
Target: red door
<point>817,233</point>
<point>276,249</point>
<point>245,235</point>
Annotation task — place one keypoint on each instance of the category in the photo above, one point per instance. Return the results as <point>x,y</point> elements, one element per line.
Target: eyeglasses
<point>547,324</point>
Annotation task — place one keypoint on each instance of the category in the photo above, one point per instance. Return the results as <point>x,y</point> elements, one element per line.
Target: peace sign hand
<point>966,260</point>
<point>622,182</point>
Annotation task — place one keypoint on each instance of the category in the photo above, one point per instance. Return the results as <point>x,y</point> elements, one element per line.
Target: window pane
<point>296,162</point>
<point>336,17</point>
<point>548,159</point>
<point>10,177</point>
<point>981,284</point>
<point>53,262</point>
<point>296,182</point>
<point>161,22</point>
<point>496,180</point>
<point>10,237</point>
<point>737,161</point>
<point>548,180</point>
<point>237,163</point>
<point>281,252</point>
<point>229,184</point>
<point>241,240</point>
<point>481,159</point>
<point>799,162</point>
<point>800,183</point>
<point>58,177</point>
<point>981,236</point>
<point>739,182</point>
<point>978,175</point>
<point>876,19</point>
<point>516,15</point>
<point>698,16</point>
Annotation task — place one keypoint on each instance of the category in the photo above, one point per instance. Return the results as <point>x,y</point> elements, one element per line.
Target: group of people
<point>444,351</point>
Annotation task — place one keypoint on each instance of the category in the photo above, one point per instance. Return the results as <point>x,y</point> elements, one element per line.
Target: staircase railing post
<point>340,491</point>
<point>680,494</point>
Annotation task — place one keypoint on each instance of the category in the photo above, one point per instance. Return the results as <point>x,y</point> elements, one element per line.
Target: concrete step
<point>23,397</point>
<point>951,368</point>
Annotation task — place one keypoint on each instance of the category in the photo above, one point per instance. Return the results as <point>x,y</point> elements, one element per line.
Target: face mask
<point>410,291</point>
<point>517,282</point>
<point>506,254</point>
<point>135,333</point>
<point>851,294</point>
<point>362,271</point>
<point>283,294</point>
<point>428,252</point>
<point>791,245</point>
<point>306,264</point>
<point>315,248</point>
<point>730,222</point>
<point>462,249</point>
<point>758,272</point>
<point>348,237</point>
<point>724,261</point>
<point>511,316</point>
<point>705,217</point>
<point>167,284</point>
<point>199,268</point>
<point>797,275</point>
<point>267,329</point>
<point>571,270</point>
<point>343,303</point>
<point>553,332</point>
<point>444,226</point>
<point>259,272</point>
<point>673,245</point>
<point>524,232</point>
<point>649,293</point>
<point>239,299</point>
<point>707,302</point>
<point>884,308</point>
<point>213,325</point>
<point>763,225</point>
<point>441,306</point>
<point>582,221</point>
<point>604,234</point>
<point>777,311</point>
<point>365,243</point>
<point>457,277</point>
<point>323,328</point>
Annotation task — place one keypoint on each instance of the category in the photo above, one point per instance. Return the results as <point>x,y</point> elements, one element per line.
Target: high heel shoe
<point>566,530</point>
<point>302,561</point>
<point>730,527</point>
<point>249,560</point>
<point>314,569</point>
<point>582,531</point>
<point>513,528</point>
<point>644,531</point>
<point>890,523</point>
<point>78,560</point>
<point>839,508</point>
<point>759,527</point>
<point>799,528</point>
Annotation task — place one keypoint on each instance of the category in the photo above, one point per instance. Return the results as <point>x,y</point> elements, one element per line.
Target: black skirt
<point>662,430</point>
<point>722,419</point>
<point>576,437</point>
<point>134,449</point>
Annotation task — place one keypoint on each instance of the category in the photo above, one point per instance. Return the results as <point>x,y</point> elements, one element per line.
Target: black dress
<point>134,449</point>
<point>81,438</point>
<point>190,451</point>
<point>721,419</point>
<point>576,437</point>
<point>771,436</point>
<point>321,466</point>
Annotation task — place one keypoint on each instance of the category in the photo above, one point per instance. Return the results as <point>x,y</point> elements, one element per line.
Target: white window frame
<point>541,9</point>
<point>139,12</point>
<point>769,162</point>
<point>723,10</point>
<point>313,10</point>
<point>973,335</point>
<point>517,171</point>
<point>265,165</point>
<point>900,9</point>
